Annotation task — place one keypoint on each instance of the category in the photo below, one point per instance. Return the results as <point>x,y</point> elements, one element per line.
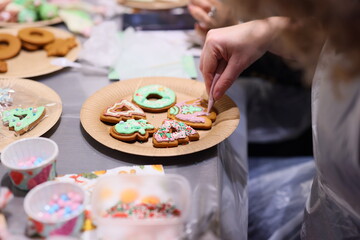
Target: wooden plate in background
<point>42,23</point>
<point>35,63</point>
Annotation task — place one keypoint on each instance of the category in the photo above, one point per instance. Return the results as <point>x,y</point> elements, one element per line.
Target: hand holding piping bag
<point>228,51</point>
<point>217,75</point>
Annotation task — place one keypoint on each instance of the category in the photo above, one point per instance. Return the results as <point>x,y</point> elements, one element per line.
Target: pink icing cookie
<point>172,133</point>
<point>122,111</point>
<point>193,113</point>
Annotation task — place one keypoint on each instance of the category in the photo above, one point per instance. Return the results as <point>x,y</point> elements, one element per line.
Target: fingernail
<point>216,95</point>
<point>202,25</point>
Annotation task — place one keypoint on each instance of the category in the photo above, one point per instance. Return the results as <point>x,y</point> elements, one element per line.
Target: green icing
<point>89,175</point>
<point>190,109</point>
<point>167,96</point>
<point>25,3</point>
<point>48,11</point>
<point>20,118</point>
<point>174,110</point>
<point>132,126</point>
<point>27,15</point>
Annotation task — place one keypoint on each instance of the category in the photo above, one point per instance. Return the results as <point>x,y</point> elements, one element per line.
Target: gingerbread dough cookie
<point>9,46</point>
<point>132,130</point>
<point>22,120</point>
<point>30,47</point>
<point>36,36</point>
<point>122,111</point>
<point>60,47</point>
<point>3,67</point>
<point>173,133</point>
<point>193,113</point>
<point>154,98</point>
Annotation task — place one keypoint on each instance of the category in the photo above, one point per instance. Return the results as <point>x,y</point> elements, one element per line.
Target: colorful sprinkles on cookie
<point>132,130</point>
<point>192,113</point>
<point>22,120</point>
<point>172,133</point>
<point>155,98</point>
<point>132,126</point>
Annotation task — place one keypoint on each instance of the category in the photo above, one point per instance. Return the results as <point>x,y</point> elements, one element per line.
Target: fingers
<point>201,16</point>
<point>208,65</point>
<point>203,4</point>
<point>212,63</point>
<point>201,31</point>
<point>210,58</point>
<point>227,78</point>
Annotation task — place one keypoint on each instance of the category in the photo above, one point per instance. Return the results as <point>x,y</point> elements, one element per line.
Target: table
<point>218,175</point>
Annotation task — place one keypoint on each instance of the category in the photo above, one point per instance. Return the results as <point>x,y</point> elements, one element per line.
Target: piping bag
<point>219,70</point>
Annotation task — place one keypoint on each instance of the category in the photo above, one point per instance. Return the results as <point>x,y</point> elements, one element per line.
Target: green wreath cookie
<point>154,98</point>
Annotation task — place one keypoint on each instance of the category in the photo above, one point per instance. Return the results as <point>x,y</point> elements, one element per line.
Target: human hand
<point>228,51</point>
<point>221,15</point>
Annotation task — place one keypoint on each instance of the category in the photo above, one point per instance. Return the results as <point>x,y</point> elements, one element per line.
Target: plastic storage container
<point>136,193</point>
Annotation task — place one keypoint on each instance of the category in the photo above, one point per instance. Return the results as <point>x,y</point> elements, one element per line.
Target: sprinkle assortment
<point>30,162</point>
<point>164,133</point>
<point>131,126</point>
<point>143,210</point>
<point>5,97</point>
<point>63,205</point>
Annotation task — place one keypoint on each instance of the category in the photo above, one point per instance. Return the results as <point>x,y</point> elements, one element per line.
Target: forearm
<point>273,30</point>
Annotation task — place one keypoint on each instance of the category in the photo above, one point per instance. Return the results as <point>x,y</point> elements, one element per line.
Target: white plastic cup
<point>107,192</point>
<point>25,178</point>
<point>40,196</point>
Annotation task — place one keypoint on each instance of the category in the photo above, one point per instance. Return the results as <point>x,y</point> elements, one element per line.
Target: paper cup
<point>169,189</point>
<point>26,178</point>
<point>65,225</point>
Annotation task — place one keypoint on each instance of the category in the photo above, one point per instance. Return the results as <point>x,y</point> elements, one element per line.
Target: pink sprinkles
<point>163,134</point>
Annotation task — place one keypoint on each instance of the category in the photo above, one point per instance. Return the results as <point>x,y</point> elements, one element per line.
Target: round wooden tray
<point>186,89</point>
<point>32,24</point>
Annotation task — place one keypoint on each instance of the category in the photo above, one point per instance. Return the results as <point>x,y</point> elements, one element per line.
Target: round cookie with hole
<point>154,98</point>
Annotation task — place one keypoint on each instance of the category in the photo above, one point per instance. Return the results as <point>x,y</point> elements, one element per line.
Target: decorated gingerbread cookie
<point>122,111</point>
<point>154,98</point>
<point>22,120</point>
<point>132,130</point>
<point>173,133</point>
<point>193,113</point>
